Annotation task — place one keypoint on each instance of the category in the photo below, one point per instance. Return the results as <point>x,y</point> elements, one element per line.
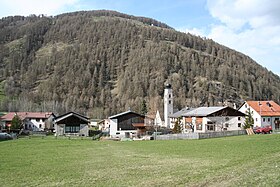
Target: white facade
<point>115,133</point>
<point>168,104</point>
<point>211,124</point>
<point>35,124</point>
<point>229,123</point>
<point>104,125</point>
<point>256,116</point>
<point>113,127</point>
<point>260,120</point>
<point>32,121</point>
<point>158,121</point>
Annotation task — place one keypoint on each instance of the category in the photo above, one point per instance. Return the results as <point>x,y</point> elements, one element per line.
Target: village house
<point>209,119</point>
<point>263,112</point>
<point>32,121</point>
<point>178,115</point>
<point>157,120</point>
<point>104,125</point>
<point>129,125</point>
<point>71,124</point>
<point>94,123</point>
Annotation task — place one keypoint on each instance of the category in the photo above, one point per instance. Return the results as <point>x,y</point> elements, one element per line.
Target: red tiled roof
<point>265,108</point>
<point>24,115</point>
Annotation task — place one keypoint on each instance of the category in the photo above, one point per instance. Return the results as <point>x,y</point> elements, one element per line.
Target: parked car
<point>5,136</point>
<point>263,130</point>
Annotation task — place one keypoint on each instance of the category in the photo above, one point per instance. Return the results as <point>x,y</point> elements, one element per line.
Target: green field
<point>232,161</point>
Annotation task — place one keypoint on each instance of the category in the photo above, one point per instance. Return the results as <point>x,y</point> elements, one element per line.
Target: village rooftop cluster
<point>132,125</point>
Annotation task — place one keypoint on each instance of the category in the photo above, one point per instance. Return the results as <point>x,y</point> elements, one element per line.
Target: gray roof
<point>69,114</point>
<point>181,112</point>
<point>203,111</point>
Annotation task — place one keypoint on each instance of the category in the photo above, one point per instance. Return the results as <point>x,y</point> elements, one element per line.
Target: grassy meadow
<point>231,161</point>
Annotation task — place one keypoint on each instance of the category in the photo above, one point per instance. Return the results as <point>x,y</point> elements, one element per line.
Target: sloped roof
<point>62,117</point>
<point>24,115</point>
<point>265,108</point>
<point>181,112</point>
<point>203,111</point>
<point>124,113</point>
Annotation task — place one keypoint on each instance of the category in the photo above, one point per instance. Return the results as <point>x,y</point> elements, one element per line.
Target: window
<point>263,119</point>
<point>40,125</point>
<point>277,123</point>
<point>169,95</point>
<point>268,119</point>
<point>256,119</point>
<point>210,127</point>
<point>239,125</point>
<point>239,118</point>
<point>72,129</point>
<point>199,127</point>
<point>37,119</point>
<point>169,101</point>
<point>227,125</point>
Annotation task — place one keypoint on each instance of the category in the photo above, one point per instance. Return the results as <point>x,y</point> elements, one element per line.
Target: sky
<point>248,26</point>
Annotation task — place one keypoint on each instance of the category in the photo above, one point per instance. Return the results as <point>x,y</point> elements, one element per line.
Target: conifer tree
<point>16,122</point>
<point>177,126</point>
<point>249,121</point>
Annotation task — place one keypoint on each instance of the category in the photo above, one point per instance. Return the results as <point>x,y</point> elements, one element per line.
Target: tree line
<point>100,63</point>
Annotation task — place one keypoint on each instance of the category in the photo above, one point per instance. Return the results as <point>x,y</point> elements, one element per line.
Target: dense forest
<point>99,63</point>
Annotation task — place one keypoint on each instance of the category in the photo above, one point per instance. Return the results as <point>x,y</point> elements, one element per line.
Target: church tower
<point>168,104</point>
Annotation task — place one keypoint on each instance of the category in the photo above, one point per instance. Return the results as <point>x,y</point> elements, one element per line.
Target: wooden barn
<point>72,124</point>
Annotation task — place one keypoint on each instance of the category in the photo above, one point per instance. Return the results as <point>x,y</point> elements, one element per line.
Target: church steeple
<point>168,104</point>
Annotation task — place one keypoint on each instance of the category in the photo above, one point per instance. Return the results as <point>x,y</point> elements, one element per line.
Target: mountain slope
<point>103,62</point>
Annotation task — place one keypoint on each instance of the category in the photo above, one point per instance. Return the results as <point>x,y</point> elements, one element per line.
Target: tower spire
<point>168,104</point>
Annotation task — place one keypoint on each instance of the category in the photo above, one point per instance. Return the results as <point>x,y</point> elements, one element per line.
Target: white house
<point>34,121</point>
<point>209,119</point>
<point>263,112</point>
<point>174,117</point>
<point>127,124</point>
<point>94,123</point>
<point>104,125</point>
<point>158,122</point>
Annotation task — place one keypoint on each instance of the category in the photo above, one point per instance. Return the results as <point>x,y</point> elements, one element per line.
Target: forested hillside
<point>103,62</point>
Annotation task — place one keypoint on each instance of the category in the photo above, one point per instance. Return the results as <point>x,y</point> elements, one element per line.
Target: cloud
<point>236,13</point>
<point>27,7</point>
<point>249,26</point>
